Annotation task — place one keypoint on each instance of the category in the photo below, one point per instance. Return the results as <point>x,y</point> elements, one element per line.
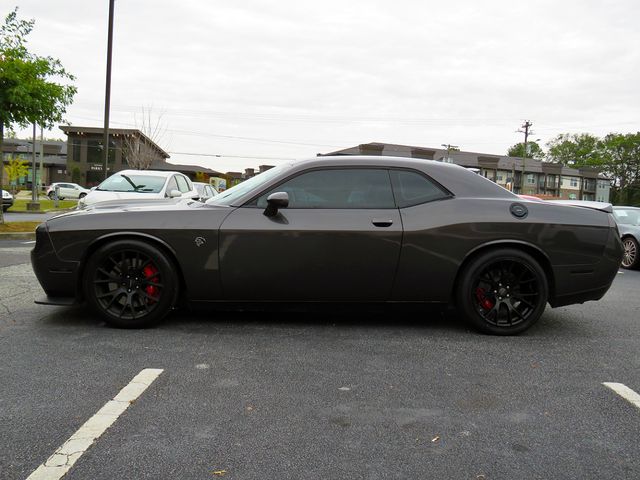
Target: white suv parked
<point>141,184</point>
<point>66,190</point>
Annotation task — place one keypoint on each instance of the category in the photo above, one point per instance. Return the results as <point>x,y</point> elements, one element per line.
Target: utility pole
<point>526,125</point>
<point>33,205</point>
<point>107,94</point>
<point>449,148</point>
<point>41,170</point>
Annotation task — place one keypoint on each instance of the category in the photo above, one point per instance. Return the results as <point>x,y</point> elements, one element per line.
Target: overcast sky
<point>288,79</point>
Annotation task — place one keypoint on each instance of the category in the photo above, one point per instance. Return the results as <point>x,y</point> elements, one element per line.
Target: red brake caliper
<point>150,272</point>
<point>484,302</point>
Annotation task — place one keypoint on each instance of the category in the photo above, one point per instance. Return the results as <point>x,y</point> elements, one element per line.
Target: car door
<point>66,190</point>
<point>339,240</point>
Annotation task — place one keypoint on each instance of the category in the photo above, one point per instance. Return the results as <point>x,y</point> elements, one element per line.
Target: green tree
<point>533,151</point>
<point>16,169</point>
<point>620,161</point>
<point>575,150</point>
<point>30,91</point>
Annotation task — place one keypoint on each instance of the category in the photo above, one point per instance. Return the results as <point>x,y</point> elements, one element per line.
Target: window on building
<point>95,151</point>
<point>76,144</point>
<point>573,181</point>
<point>531,179</point>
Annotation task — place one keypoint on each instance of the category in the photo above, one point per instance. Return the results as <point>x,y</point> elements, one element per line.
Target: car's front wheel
<point>502,291</point>
<point>630,257</point>
<point>130,283</point>
<point>82,195</point>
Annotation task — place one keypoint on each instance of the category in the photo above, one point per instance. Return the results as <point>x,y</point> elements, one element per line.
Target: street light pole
<point>107,94</point>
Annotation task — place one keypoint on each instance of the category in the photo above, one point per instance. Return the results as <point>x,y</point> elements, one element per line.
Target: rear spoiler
<point>602,206</point>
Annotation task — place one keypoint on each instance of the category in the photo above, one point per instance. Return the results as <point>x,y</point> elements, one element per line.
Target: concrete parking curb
<point>18,236</point>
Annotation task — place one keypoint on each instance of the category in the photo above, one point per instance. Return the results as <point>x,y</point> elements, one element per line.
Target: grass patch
<point>18,227</point>
<point>20,205</point>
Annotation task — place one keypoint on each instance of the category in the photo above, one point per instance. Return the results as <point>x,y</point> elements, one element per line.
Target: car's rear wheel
<point>630,257</point>
<point>502,291</point>
<point>130,283</point>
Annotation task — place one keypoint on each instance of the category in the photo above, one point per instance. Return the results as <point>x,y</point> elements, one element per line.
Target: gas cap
<point>518,210</point>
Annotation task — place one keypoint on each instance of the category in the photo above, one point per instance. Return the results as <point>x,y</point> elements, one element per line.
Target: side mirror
<point>175,193</point>
<point>276,201</point>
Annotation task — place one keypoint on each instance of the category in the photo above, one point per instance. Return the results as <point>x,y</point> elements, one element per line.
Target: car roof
<point>155,173</point>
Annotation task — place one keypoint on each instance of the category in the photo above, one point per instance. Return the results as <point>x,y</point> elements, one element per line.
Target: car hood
<point>121,206</point>
<point>102,195</point>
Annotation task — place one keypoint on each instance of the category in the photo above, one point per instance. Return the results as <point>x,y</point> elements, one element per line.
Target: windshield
<point>132,183</point>
<point>228,197</point>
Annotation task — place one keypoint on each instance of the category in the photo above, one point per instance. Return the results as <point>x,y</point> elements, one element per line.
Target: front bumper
<point>58,278</point>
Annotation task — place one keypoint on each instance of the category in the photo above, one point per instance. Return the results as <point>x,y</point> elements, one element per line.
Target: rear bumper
<point>581,283</point>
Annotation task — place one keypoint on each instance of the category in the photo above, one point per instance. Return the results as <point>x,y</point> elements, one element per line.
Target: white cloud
<point>343,73</point>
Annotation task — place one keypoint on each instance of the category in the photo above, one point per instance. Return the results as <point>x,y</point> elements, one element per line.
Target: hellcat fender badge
<point>200,241</point>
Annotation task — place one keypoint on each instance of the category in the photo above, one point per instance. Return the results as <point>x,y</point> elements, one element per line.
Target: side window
<point>172,185</point>
<point>183,185</point>
<point>337,188</point>
<point>412,188</point>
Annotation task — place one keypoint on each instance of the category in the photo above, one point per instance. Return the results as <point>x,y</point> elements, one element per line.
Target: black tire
<point>502,291</point>
<point>130,283</point>
<point>630,257</point>
<point>82,195</point>
<point>52,195</point>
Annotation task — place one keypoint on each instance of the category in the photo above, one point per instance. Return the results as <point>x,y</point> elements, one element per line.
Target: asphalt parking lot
<point>357,395</point>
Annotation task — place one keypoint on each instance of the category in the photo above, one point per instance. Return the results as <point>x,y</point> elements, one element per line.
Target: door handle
<point>382,222</point>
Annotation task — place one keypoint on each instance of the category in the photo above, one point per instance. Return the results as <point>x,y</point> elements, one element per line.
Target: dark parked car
<point>334,229</point>
<point>628,219</point>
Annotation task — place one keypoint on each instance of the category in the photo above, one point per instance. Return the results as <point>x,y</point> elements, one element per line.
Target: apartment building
<point>521,176</point>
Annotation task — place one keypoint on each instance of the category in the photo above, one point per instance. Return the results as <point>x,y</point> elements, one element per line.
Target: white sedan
<point>141,184</point>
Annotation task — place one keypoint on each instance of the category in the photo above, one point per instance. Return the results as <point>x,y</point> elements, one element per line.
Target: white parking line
<point>65,456</point>
<point>29,242</point>
<point>625,392</point>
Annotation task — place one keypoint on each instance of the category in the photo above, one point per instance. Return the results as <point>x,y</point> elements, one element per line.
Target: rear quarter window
<point>413,188</point>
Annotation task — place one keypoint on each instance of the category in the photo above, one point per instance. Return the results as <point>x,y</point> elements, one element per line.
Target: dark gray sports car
<point>334,229</point>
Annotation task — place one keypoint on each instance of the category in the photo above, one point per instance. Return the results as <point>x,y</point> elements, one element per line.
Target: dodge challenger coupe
<point>334,229</point>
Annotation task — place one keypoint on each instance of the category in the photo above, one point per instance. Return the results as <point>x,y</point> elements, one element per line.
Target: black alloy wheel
<point>131,284</point>
<point>630,253</point>
<point>502,292</point>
